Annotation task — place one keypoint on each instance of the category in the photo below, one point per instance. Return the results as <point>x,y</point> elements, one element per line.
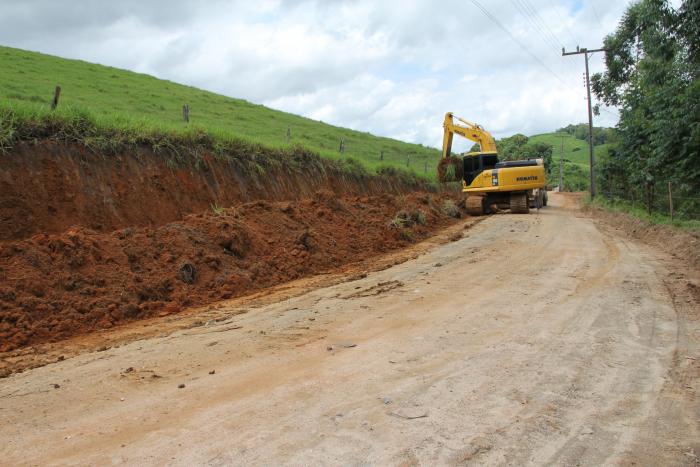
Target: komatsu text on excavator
<point>491,184</point>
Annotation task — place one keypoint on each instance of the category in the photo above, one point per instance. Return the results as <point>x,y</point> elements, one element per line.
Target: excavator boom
<point>469,130</point>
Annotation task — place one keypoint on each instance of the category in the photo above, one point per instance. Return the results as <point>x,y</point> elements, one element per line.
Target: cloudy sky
<point>392,68</point>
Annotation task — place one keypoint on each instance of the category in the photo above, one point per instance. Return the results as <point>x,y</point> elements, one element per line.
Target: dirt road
<point>540,339</point>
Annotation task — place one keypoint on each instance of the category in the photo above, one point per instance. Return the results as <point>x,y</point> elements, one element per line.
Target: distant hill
<point>575,156</point>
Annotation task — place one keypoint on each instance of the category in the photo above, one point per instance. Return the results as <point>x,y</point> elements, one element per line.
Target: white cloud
<point>391,69</point>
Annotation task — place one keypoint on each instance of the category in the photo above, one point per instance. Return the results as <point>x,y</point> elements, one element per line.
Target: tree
<point>539,151</point>
<point>652,69</point>
<point>518,147</point>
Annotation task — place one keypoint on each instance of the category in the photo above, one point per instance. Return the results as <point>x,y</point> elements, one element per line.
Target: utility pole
<point>591,157</point>
<point>561,166</point>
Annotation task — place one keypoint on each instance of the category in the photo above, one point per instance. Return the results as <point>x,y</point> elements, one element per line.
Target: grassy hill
<point>117,97</point>
<point>575,157</point>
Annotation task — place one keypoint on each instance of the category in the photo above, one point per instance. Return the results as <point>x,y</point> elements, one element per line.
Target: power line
<point>545,31</point>
<point>514,39</point>
<point>595,12</point>
<point>561,19</point>
<point>536,15</point>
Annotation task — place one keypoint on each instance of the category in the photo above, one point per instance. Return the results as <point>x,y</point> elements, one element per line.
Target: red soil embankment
<point>48,187</point>
<point>58,285</point>
<point>88,242</point>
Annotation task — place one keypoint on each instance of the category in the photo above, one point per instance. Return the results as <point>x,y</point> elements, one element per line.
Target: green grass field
<point>117,98</point>
<point>575,156</point>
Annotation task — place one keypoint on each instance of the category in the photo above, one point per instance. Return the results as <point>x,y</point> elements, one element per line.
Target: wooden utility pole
<point>56,95</point>
<point>591,157</point>
<point>561,166</point>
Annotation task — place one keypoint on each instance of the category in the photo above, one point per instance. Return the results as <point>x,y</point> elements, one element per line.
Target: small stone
<point>180,386</point>
<point>56,386</point>
<point>437,265</point>
<point>212,372</point>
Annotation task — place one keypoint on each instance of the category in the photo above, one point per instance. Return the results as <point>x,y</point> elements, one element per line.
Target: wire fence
<point>675,201</point>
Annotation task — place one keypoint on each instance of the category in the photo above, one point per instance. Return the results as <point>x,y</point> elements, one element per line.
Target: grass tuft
<point>451,209</point>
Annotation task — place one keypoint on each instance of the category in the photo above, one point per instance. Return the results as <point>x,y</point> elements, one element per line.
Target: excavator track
<point>518,203</point>
<point>475,205</point>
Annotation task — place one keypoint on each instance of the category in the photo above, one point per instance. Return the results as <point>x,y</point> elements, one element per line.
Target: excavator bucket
<point>451,169</point>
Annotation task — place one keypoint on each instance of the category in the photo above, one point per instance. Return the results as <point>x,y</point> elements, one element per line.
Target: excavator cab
<point>476,163</point>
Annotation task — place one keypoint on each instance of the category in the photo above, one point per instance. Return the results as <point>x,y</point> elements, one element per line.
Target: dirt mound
<point>451,169</point>
<point>58,285</point>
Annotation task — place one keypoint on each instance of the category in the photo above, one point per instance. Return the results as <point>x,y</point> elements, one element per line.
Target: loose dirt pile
<point>451,169</point>
<point>60,285</point>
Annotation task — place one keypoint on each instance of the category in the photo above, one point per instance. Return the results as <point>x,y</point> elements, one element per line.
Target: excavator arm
<point>468,130</point>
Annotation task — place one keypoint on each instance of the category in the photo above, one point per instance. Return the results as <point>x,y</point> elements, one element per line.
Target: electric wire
<point>520,44</point>
<point>562,21</point>
<point>546,34</point>
<point>595,13</point>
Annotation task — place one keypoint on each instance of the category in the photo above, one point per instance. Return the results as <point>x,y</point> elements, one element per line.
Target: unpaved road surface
<point>540,339</point>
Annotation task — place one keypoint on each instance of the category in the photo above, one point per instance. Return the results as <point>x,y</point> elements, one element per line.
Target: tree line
<point>601,135</point>
<point>652,69</point>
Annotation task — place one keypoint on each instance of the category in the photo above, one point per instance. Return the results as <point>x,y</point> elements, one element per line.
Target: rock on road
<point>546,338</point>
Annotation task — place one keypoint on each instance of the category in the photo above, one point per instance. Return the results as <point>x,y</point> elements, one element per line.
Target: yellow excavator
<point>490,184</point>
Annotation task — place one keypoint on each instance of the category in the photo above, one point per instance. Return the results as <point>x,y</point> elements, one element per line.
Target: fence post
<point>56,95</point>
<point>289,133</point>
<point>341,149</point>
<point>186,113</point>
<point>408,161</point>
<point>670,201</point>
<point>425,168</point>
<point>381,156</point>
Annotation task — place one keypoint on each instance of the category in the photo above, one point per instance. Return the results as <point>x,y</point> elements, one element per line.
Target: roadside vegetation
<point>572,152</point>
<point>639,211</point>
<point>653,76</point>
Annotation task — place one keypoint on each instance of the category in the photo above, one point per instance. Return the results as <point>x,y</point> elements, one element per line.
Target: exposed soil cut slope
<point>49,187</point>
<point>58,285</point>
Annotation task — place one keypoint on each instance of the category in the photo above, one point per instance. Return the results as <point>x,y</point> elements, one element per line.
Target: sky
<point>392,68</point>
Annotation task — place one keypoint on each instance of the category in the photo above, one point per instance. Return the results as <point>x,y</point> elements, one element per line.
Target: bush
<point>451,209</point>
<point>405,219</point>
